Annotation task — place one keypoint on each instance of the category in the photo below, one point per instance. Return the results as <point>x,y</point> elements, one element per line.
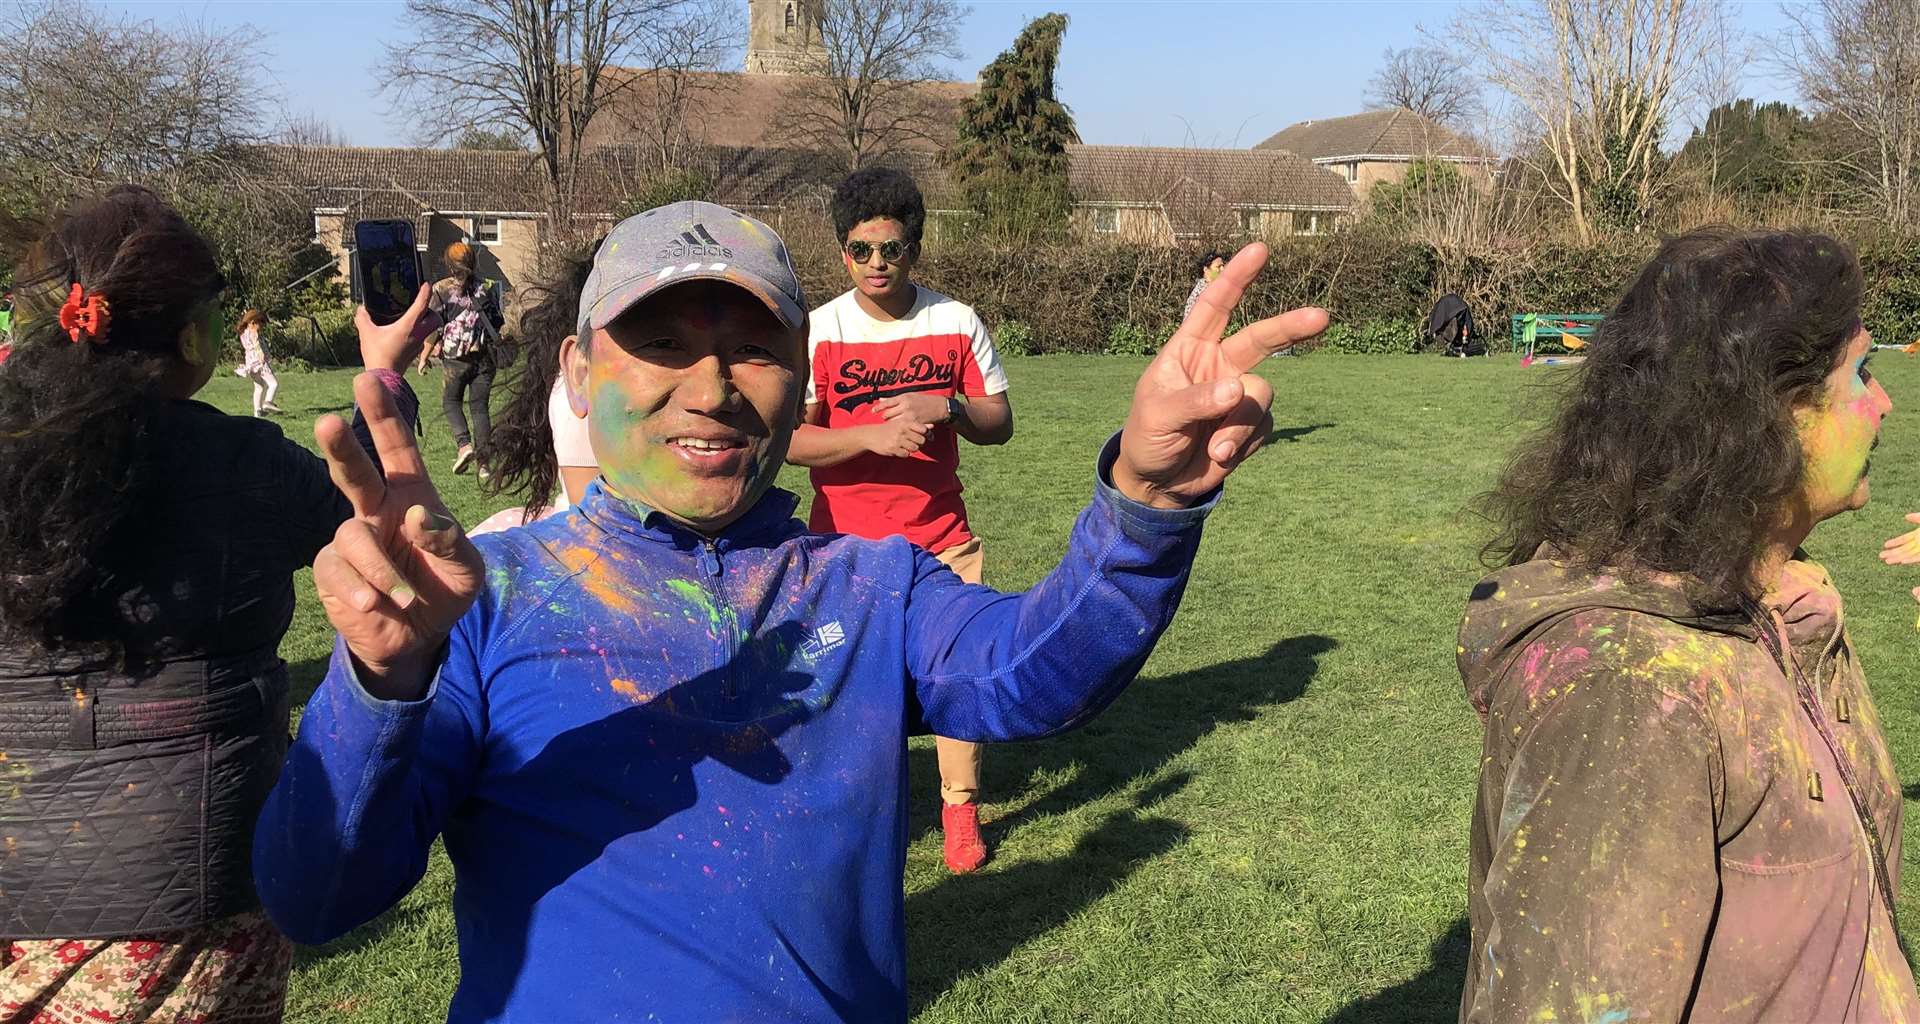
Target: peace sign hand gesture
<point>1199,411</point>
<point>401,572</point>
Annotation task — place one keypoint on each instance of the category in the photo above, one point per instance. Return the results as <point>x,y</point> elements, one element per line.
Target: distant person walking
<point>254,363</point>
<point>466,348</point>
<point>1209,268</point>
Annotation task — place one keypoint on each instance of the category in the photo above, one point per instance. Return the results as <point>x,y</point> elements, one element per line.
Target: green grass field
<point>1271,824</point>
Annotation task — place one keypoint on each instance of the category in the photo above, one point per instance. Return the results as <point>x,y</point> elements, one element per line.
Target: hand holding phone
<point>392,346</point>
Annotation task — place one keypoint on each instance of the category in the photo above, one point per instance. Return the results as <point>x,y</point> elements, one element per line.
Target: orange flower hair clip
<point>85,317</point>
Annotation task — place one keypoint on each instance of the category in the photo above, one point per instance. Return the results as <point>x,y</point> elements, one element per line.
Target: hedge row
<point>1123,299</point>
<point>1126,300</point>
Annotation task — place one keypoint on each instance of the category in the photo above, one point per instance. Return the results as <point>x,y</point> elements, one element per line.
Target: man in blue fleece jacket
<point>664,734</point>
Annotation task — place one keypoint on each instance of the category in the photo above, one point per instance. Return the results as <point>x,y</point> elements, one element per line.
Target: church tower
<point>783,36</point>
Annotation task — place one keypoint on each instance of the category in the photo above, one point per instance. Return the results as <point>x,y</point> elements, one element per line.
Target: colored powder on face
<point>634,467</point>
<point>1837,442</point>
<point>1836,450</point>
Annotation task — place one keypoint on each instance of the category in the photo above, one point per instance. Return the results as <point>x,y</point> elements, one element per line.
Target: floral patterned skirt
<point>233,971</point>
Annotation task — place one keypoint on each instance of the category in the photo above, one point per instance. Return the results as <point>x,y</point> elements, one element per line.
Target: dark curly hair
<point>520,451</point>
<point>1200,266</point>
<point>1675,449</point>
<point>74,416</point>
<point>879,192</point>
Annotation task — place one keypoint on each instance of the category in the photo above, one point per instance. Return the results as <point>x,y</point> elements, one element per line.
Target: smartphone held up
<point>386,267</point>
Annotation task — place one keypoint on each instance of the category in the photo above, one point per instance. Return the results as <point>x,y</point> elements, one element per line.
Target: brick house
<point>1379,145</point>
<point>491,198</point>
<point>496,199</point>
<point>1163,196</point>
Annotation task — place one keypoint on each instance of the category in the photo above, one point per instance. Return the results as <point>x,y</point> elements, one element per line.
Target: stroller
<point>1450,328</point>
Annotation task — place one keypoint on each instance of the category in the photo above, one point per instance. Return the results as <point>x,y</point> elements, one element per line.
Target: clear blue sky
<point>1180,72</point>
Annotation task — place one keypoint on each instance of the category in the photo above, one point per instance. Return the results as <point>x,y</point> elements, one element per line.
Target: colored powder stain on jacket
<point>1649,820</point>
<point>719,620</point>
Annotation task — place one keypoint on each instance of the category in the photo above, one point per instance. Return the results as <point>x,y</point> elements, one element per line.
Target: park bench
<point>1569,331</point>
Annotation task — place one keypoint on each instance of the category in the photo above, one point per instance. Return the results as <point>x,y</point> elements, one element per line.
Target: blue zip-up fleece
<point>671,772</point>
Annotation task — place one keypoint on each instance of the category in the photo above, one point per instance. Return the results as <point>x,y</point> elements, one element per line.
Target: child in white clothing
<point>255,368</point>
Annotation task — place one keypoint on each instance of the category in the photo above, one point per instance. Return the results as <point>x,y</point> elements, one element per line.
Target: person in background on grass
<point>540,449</point>
<point>465,347</point>
<point>147,552</point>
<point>254,365</point>
<point>891,364</point>
<point>663,734</point>
<point>1210,266</point>
<point>1687,810</point>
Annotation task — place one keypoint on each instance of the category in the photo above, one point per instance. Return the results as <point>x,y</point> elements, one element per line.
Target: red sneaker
<point>965,849</point>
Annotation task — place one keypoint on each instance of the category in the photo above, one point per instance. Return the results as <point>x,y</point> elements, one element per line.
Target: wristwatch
<point>955,409</point>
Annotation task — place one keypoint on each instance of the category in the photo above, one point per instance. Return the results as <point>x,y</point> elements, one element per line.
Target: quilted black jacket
<point>128,790</point>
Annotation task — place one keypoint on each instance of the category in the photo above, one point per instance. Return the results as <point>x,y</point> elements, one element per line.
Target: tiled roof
<point>1396,131</point>
<point>1199,188</point>
<point>744,110</point>
<point>1196,187</point>
<point>407,184</point>
<point>410,183</point>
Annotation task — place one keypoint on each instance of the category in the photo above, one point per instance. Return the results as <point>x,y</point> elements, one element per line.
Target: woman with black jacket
<point>147,548</point>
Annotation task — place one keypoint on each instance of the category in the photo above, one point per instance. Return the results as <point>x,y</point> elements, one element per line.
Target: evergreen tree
<point>1755,151</point>
<point>1011,154</point>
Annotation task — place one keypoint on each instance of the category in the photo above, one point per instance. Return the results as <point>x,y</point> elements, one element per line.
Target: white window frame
<point>1252,222</point>
<point>478,233</point>
<point>319,235</point>
<point>1106,220</point>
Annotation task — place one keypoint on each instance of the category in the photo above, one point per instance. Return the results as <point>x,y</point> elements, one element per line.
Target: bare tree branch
<point>860,100</point>
<point>679,85</point>
<point>1428,81</point>
<point>310,129</point>
<point>90,99</point>
<point>1597,82</point>
<point>537,69</point>
<point>1857,63</point>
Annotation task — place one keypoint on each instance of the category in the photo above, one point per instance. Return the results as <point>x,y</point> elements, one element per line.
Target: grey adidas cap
<point>685,242</point>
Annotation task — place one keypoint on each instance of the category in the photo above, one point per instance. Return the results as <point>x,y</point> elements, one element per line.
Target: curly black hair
<point>879,192</point>
<point>1200,266</point>
<point>520,451</point>
<point>75,415</point>
<point>1675,449</point>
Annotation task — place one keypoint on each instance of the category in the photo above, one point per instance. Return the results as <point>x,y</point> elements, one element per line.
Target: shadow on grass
<point>1430,997</point>
<point>1296,433</point>
<point>965,924</point>
<point>372,933</point>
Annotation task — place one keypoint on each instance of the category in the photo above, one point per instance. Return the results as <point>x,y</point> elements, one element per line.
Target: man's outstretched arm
<point>991,666</point>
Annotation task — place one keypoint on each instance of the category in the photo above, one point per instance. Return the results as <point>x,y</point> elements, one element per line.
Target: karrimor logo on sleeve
<point>696,244</point>
<point>823,641</point>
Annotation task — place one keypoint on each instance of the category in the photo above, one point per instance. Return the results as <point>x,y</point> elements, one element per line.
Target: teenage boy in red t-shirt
<point>900,372</point>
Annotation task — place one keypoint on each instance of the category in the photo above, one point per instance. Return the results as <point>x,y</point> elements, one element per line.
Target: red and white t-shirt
<point>940,348</point>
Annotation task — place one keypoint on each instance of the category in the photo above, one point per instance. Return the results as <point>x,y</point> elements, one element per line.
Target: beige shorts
<point>966,560</point>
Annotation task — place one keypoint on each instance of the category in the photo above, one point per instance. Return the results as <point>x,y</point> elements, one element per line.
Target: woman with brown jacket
<point>1687,810</point>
